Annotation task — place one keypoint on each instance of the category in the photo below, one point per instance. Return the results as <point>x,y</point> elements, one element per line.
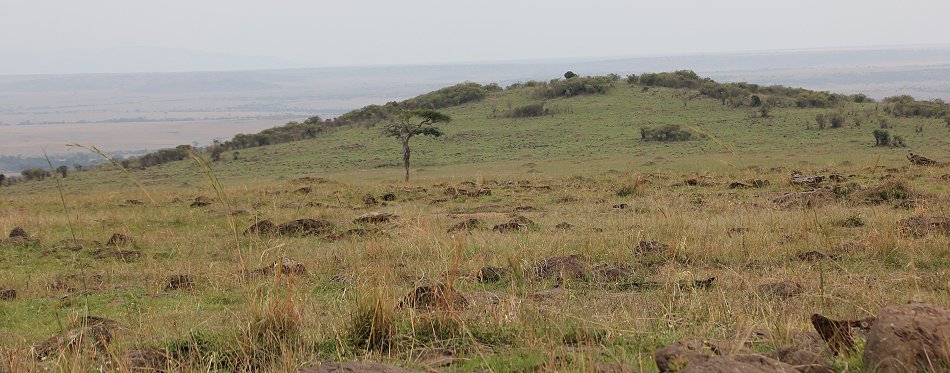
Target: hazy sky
<point>361,32</point>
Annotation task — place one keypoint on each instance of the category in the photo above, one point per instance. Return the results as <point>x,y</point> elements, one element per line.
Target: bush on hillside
<point>574,86</point>
<point>669,132</point>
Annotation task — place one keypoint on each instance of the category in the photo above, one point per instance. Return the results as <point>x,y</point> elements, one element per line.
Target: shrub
<point>35,174</point>
<point>676,79</point>
<point>669,132</point>
<point>820,119</point>
<point>898,142</point>
<point>527,111</point>
<point>449,96</point>
<point>837,119</point>
<point>575,86</point>
<point>882,138</point>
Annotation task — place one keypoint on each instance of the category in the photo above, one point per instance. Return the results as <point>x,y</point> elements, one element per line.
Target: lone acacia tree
<point>410,123</point>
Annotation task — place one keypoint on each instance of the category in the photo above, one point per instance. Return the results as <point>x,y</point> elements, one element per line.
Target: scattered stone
<point>354,367</point>
<point>147,360</point>
<point>91,331</point>
<point>492,274</point>
<point>7,294</point>
<point>466,225</point>
<point>119,239</point>
<point>804,361</point>
<point>180,282</point>
<point>388,197</point>
<point>434,297</point>
<point>305,227</point>
<point>374,218</point>
<point>561,268</point>
<point>910,337</point>
<point>262,228</point>
<point>782,289</point>
<point>649,247</point>
<point>838,333</point>
<point>922,225</point>
<point>564,225</point>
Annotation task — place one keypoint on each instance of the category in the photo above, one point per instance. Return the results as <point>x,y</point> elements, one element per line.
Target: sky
<point>47,34</point>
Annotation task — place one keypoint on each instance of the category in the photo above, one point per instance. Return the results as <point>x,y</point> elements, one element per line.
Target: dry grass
<point>346,308</point>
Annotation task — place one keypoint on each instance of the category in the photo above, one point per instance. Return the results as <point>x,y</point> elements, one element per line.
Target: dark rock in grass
<point>465,225</point>
<point>262,228</point>
<point>147,360</point>
<point>434,297</point>
<point>370,201</point>
<point>180,282</point>
<point>781,289</point>
<point>492,274</point>
<point>374,218</point>
<point>388,197</point>
<point>91,334</point>
<point>804,361</point>
<point>119,239</point>
<point>354,367</point>
<point>7,294</point>
<point>910,337</point>
<point>286,266</point>
<point>650,247</point>
<point>839,334</point>
<point>921,225</point>
<point>18,232</point>
<point>305,227</point>
<point>562,267</point>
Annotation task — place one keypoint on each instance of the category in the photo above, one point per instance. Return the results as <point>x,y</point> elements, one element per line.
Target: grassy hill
<point>559,242</point>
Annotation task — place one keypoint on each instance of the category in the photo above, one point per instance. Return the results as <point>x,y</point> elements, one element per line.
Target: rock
<point>465,225</point>
<point>802,360</point>
<point>561,268</point>
<point>18,232</point>
<point>649,247</point>
<point>180,282</point>
<point>262,228</point>
<point>147,360</point>
<point>370,201</point>
<point>910,337</point>
<point>91,331</point>
<point>7,294</point>
<point>305,227</point>
<point>920,226</point>
<point>781,289</point>
<point>434,297</point>
<point>838,333</point>
<point>374,218</point>
<point>354,367</point>
<point>388,197</point>
<point>119,239</point>
<point>492,274</point>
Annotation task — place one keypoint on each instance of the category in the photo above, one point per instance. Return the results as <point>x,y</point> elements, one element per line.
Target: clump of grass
<point>889,191</point>
<point>372,326</point>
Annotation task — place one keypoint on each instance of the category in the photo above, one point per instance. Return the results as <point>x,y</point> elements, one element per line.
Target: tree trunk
<point>405,156</point>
